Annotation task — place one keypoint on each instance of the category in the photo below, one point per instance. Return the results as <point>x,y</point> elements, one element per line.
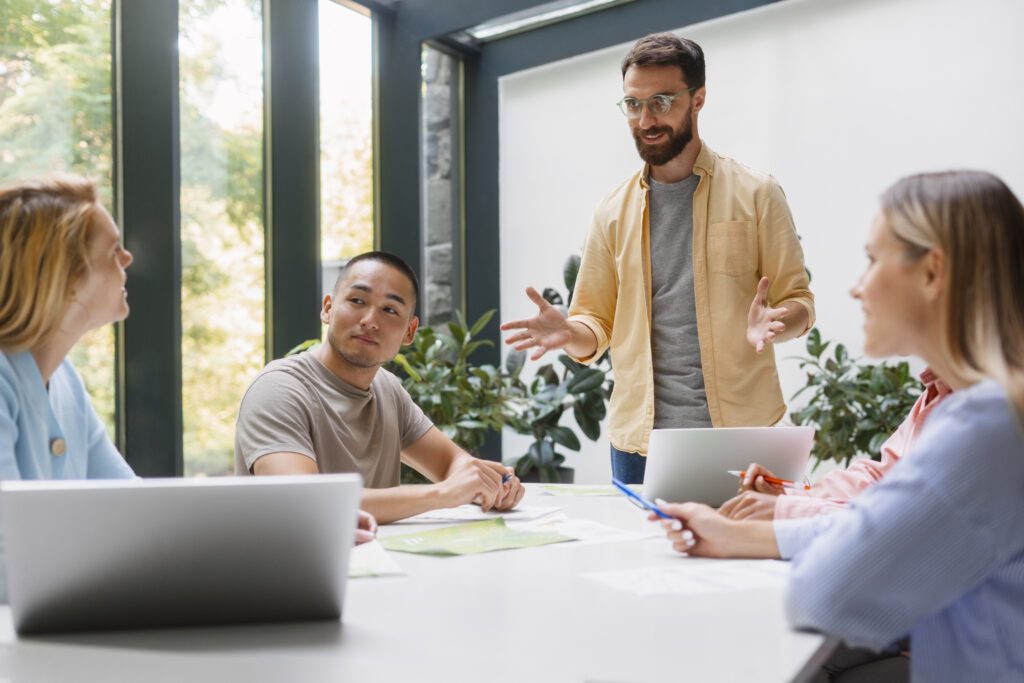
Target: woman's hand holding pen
<point>699,530</point>
<point>695,529</point>
<point>755,479</point>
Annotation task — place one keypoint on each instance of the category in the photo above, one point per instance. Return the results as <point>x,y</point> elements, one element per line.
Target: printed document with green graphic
<point>467,539</point>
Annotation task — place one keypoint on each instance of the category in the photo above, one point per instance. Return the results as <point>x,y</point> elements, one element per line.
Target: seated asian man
<point>333,408</point>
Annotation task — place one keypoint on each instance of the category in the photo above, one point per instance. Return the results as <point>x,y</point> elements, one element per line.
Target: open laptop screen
<point>176,552</point>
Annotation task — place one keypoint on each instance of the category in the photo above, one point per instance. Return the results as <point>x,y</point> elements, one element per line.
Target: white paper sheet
<point>694,576</point>
<point>473,513</point>
<point>580,490</point>
<point>370,559</point>
<point>586,531</point>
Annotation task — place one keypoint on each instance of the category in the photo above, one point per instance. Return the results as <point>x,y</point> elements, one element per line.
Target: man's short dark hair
<point>387,259</point>
<point>668,48</point>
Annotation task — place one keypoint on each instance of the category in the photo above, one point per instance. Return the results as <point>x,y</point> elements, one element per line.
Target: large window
<point>222,232</point>
<point>56,116</point>
<point>346,136</point>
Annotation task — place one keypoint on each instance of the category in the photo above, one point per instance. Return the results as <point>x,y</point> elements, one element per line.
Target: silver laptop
<point>177,552</point>
<point>693,464</point>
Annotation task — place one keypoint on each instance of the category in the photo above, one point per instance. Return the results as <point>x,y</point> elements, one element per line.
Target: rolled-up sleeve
<point>596,293</point>
<point>782,258</point>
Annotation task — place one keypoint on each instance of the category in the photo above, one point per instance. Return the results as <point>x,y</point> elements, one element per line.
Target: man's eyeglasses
<point>658,105</point>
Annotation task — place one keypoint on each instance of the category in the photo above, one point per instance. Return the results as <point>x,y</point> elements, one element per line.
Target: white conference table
<point>516,615</point>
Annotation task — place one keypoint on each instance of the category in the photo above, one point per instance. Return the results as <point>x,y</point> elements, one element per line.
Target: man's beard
<point>357,361</point>
<point>360,362</point>
<point>664,152</point>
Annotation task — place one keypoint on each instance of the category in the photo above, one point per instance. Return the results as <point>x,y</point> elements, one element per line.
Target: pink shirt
<point>837,488</point>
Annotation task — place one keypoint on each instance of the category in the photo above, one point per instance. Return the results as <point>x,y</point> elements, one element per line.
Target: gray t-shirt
<point>679,398</point>
<point>297,405</point>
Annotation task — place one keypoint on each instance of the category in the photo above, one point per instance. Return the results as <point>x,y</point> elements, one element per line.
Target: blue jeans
<point>628,467</point>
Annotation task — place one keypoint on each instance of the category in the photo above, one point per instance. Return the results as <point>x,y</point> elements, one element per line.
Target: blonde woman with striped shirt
<point>935,551</point>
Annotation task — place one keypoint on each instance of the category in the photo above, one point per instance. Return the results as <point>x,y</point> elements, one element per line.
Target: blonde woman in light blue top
<point>62,274</point>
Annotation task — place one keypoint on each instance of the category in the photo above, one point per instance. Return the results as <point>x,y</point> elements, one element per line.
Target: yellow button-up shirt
<point>742,230</point>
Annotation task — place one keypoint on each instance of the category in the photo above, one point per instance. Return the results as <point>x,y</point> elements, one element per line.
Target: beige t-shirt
<point>297,405</point>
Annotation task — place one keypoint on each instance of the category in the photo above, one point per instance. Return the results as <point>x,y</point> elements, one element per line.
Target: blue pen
<point>638,500</point>
<point>505,477</point>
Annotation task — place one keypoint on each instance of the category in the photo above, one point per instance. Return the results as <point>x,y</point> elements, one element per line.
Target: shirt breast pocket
<point>732,248</point>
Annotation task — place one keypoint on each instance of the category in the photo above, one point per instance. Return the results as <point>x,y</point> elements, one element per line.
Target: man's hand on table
<point>366,528</point>
<point>473,480</point>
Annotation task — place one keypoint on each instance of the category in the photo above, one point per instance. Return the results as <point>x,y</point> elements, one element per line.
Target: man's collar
<point>705,159</point>
<point>705,163</point>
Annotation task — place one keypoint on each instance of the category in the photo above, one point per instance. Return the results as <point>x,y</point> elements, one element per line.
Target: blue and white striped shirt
<point>935,550</point>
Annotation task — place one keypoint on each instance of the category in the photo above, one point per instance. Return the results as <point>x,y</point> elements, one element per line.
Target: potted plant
<point>466,402</point>
<point>853,406</point>
<point>550,394</point>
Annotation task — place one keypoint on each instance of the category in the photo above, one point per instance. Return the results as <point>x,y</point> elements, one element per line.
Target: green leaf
<point>542,452</point>
<point>590,427</point>
<point>594,405</point>
<point>586,380</point>
<point>564,437</point>
<point>481,322</point>
<point>514,362</point>
<point>309,343</point>
<point>570,271</point>
<point>840,353</point>
<point>547,452</point>
<point>548,374</point>
<point>814,347</point>
<point>474,345</point>
<point>458,333</point>
<point>525,465</point>
<point>404,363</point>
<point>552,297</point>
<point>875,446</point>
<point>571,365</point>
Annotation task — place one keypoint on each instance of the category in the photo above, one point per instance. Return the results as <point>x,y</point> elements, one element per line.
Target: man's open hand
<point>763,322</point>
<point>547,331</point>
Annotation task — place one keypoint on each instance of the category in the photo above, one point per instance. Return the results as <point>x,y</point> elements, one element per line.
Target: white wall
<point>836,98</point>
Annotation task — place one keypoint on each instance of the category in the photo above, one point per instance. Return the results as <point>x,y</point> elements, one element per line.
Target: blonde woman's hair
<point>978,224</point>
<point>45,228</point>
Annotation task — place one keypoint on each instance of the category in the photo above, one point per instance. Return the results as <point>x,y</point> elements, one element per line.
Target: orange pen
<point>784,483</point>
